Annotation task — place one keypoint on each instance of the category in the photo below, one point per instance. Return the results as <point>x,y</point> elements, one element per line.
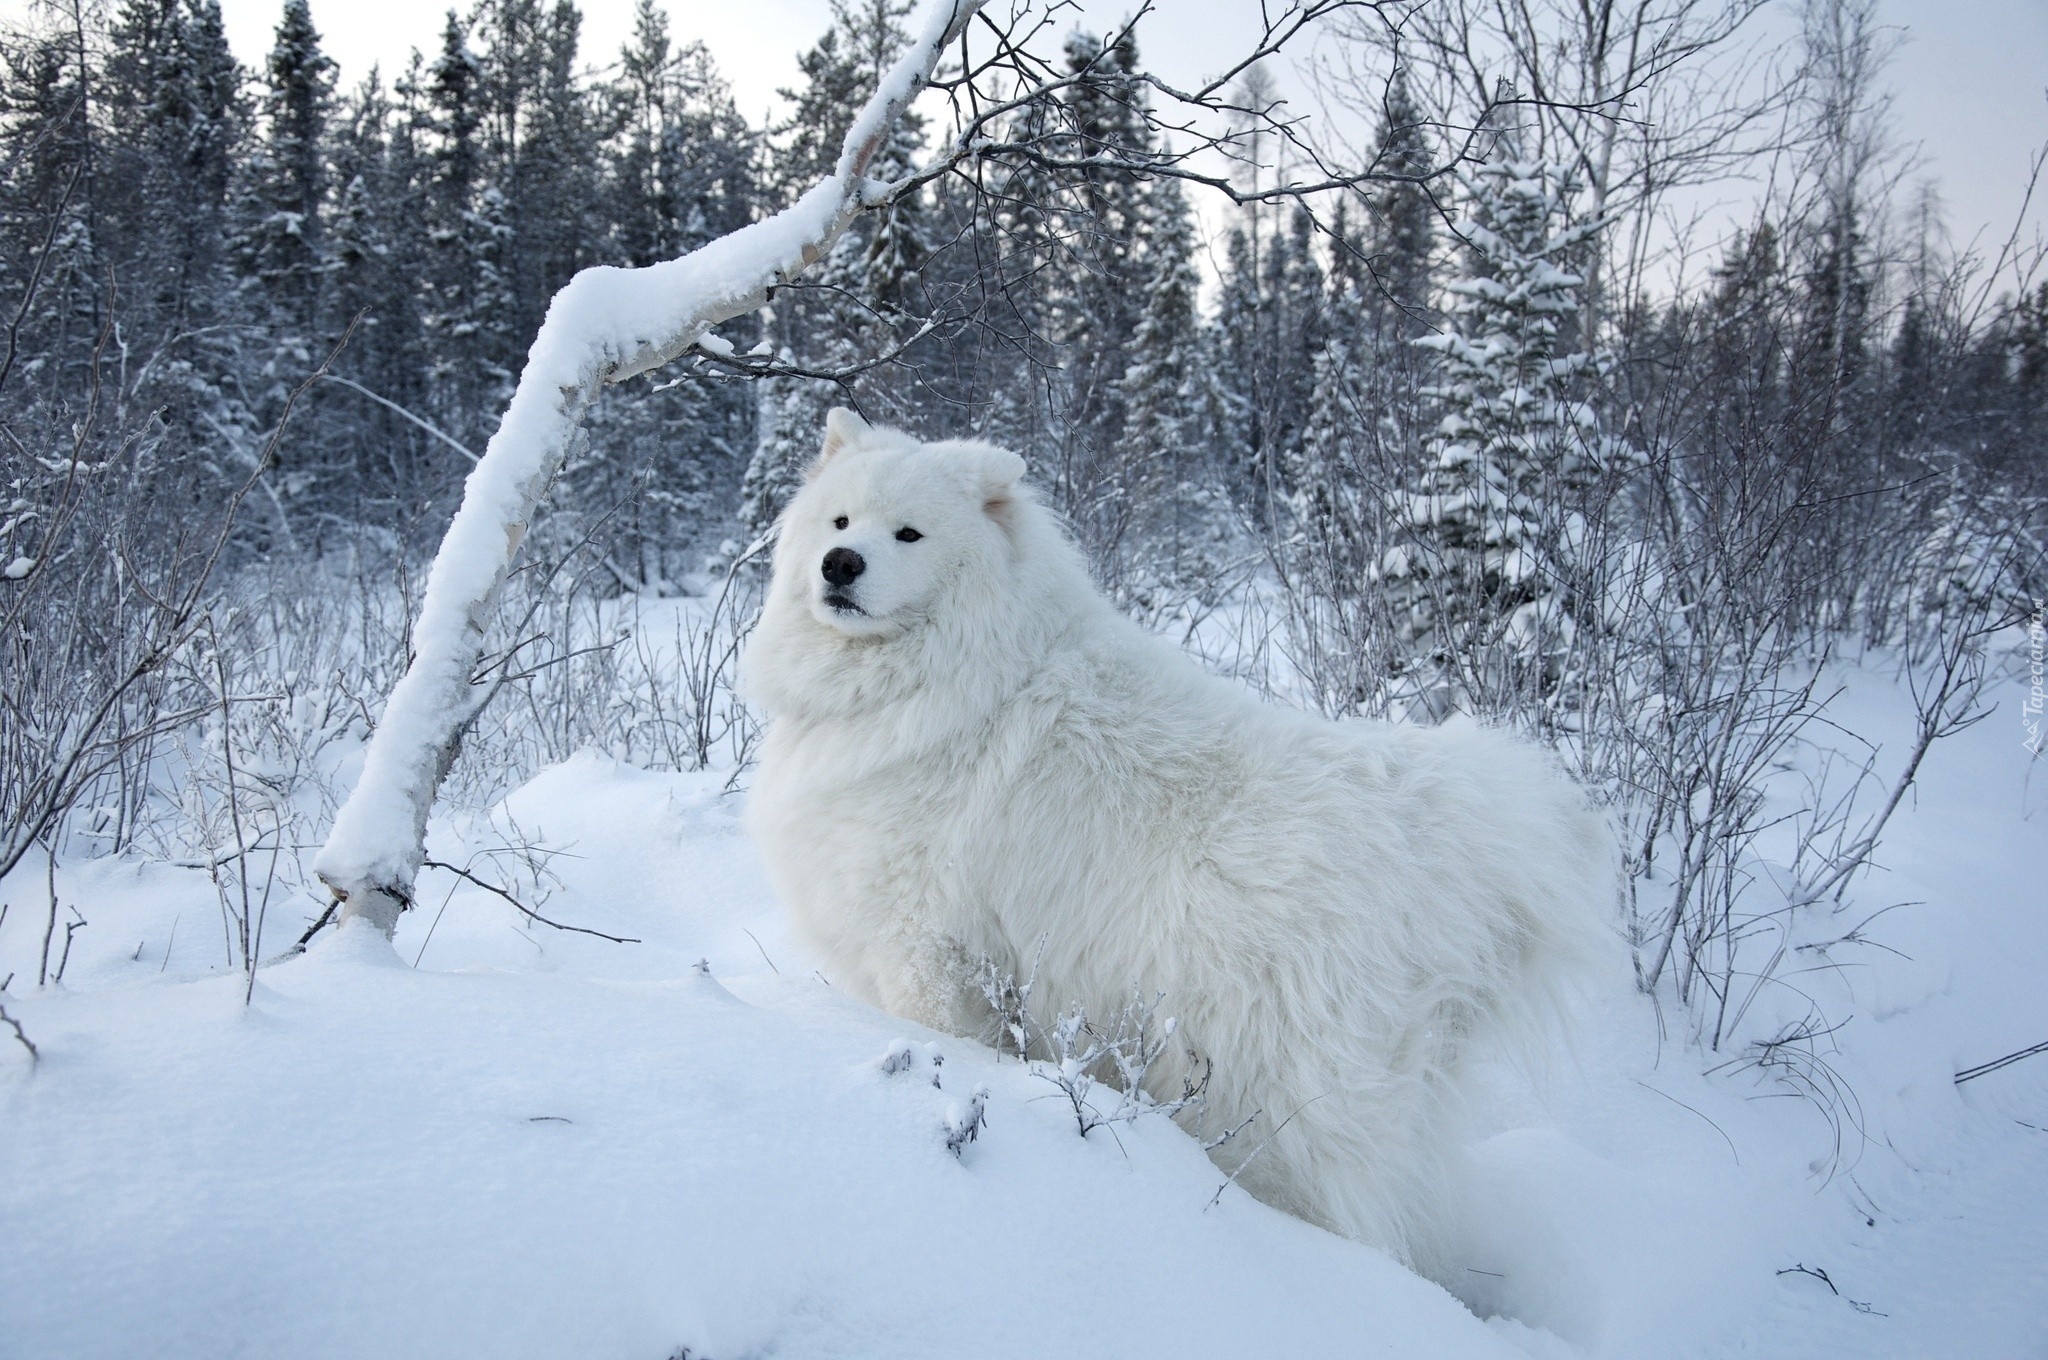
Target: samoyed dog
<point>971,755</point>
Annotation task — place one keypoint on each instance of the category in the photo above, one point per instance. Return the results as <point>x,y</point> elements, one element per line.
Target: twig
<point>1816,1273</point>
<point>1820,1274</point>
<point>33,1056</point>
<point>528,911</point>
<point>1984,1069</point>
<point>763,948</point>
<point>436,431</point>
<point>1257,1148</point>
<point>315,928</point>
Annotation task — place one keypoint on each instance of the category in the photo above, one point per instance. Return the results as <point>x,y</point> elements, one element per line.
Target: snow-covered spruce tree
<point>662,469</point>
<point>559,183</point>
<point>281,213</point>
<point>1095,295</point>
<point>790,414</point>
<point>1295,283</point>
<point>1269,328</point>
<point>1234,357</point>
<point>172,91</point>
<point>1013,228</point>
<point>284,214</point>
<point>1402,243</point>
<point>1325,464</point>
<point>1480,566</point>
<point>848,307</point>
<point>790,410</point>
<point>1169,400</point>
<point>493,302</point>
<point>453,165</point>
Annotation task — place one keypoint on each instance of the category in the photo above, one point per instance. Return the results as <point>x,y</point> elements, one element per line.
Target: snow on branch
<point>606,325</point>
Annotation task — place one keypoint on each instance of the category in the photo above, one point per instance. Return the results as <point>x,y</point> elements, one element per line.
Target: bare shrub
<point>1078,1055</point>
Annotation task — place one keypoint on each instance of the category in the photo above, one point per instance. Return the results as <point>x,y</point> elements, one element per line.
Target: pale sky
<point>1971,79</point>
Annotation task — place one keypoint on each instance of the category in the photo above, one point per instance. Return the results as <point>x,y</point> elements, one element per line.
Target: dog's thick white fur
<point>972,755</point>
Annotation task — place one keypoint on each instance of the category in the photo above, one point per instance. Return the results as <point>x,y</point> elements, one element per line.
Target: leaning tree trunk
<point>604,326</point>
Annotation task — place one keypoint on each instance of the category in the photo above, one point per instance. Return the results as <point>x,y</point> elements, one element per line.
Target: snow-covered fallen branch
<point>606,325</point>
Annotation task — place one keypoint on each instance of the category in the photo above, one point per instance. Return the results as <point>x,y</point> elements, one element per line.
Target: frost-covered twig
<point>606,325</point>
<point>1253,1155</point>
<point>964,1123</point>
<point>1076,1054</point>
<point>34,1057</point>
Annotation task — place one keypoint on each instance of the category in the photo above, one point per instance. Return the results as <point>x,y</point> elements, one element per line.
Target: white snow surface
<point>497,1139</point>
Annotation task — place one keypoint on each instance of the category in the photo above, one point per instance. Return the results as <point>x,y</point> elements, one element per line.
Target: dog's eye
<point>839,523</point>
<point>907,535</point>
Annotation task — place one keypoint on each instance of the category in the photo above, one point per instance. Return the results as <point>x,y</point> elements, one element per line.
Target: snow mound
<point>492,1137</point>
<point>375,1160</point>
<point>547,1144</point>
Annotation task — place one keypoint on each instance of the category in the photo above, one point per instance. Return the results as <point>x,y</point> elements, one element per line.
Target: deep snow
<point>543,1144</point>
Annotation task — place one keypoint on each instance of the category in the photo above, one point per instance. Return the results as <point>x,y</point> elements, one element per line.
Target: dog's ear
<point>998,471</point>
<point>842,429</point>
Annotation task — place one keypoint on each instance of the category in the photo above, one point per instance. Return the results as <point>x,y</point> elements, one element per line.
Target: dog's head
<point>886,526</point>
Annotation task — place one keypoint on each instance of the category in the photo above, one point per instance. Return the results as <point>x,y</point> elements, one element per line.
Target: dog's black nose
<point>842,565</point>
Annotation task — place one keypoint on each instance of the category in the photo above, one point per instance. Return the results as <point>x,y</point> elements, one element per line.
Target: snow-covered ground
<point>500,1139</point>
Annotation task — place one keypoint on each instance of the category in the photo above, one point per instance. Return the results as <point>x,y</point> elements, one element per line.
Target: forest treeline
<point>187,241</point>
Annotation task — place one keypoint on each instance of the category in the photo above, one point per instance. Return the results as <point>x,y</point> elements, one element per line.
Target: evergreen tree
<point>454,167</point>
<point>359,236</point>
<point>1105,114</point>
<point>791,419</point>
<point>1835,306</point>
<point>1403,238</point>
<point>559,181</point>
<point>681,169</point>
<point>790,416</point>
<point>1323,467</point>
<point>1095,299</point>
<point>1162,389</point>
<point>848,61</point>
<point>284,215</point>
<point>1235,351</point>
<point>174,92</point>
<point>842,312</point>
<point>1298,331</point>
<point>1481,543</point>
<point>1168,398</point>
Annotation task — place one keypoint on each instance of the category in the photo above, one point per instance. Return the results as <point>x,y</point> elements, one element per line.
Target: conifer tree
<point>453,165</point>
<point>1169,401</point>
<point>790,421</point>
<point>1162,389</point>
<point>1235,349</point>
<point>1324,464</point>
<point>560,169</point>
<point>282,236</point>
<point>1100,300</point>
<point>841,314</point>
<point>1479,556</point>
<point>1403,239</point>
<point>174,91</point>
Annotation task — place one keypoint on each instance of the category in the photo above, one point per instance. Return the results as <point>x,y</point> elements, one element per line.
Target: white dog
<point>972,755</point>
